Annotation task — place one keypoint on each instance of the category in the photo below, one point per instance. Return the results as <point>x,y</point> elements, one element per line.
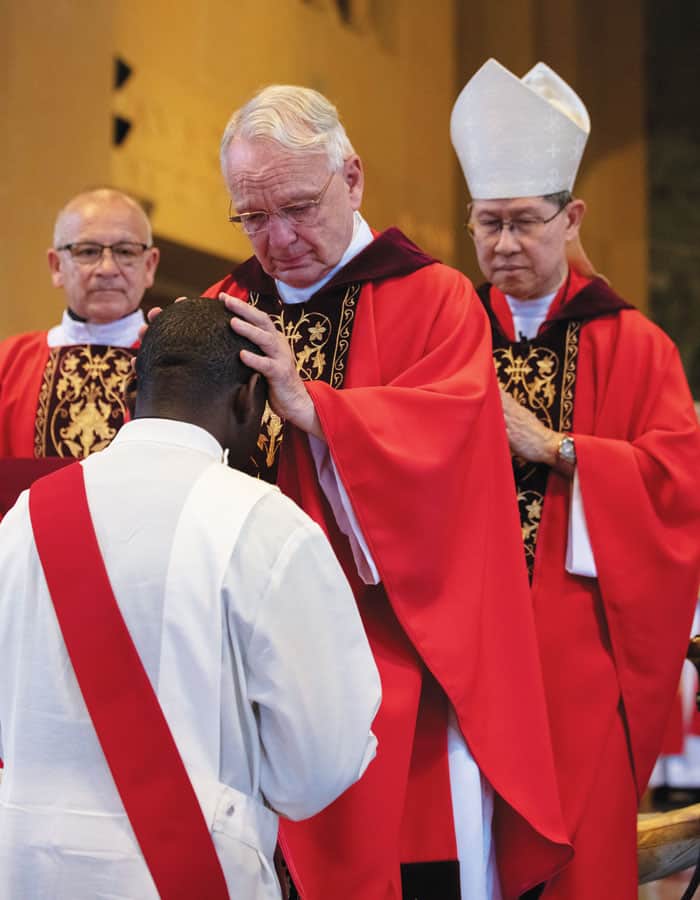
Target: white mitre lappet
<point>518,137</point>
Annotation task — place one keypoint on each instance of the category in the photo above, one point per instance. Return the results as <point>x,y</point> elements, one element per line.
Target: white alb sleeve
<point>579,553</point>
<point>340,504</point>
<point>312,678</point>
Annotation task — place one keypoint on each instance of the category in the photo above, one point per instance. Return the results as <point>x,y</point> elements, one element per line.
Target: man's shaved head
<point>189,369</point>
<point>99,197</point>
<point>190,349</point>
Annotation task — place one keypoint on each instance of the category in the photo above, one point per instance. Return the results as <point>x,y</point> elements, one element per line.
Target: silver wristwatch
<point>566,451</point>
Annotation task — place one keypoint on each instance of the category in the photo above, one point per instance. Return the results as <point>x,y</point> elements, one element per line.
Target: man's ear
<point>575,211</point>
<point>354,177</point>
<point>55,267</point>
<point>246,404</point>
<point>150,265</point>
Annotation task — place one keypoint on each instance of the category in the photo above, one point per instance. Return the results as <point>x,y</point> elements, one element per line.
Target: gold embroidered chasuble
<point>83,399</point>
<point>318,332</point>
<point>541,375</point>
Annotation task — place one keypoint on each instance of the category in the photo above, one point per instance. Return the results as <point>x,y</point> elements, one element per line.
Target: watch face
<point>567,450</point>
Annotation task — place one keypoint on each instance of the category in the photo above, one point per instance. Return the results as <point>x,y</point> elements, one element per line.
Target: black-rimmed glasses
<point>89,253</point>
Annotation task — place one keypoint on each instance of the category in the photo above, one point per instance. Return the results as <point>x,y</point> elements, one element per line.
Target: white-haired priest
<point>379,365</point>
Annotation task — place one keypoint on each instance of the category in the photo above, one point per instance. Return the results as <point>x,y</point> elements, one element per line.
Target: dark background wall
<point>672,69</point>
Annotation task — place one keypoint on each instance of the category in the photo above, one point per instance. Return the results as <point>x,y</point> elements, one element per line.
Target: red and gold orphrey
<point>82,399</point>
<point>541,375</point>
<point>319,335</point>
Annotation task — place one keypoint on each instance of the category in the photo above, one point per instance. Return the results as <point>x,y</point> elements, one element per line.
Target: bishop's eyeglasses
<point>304,213</point>
<point>487,227</point>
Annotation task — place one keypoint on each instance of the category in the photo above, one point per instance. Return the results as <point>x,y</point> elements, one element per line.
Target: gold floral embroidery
<point>342,341</point>
<point>82,400</point>
<point>270,436</point>
<point>42,411</point>
<point>320,346</point>
<point>529,378</point>
<point>566,413</point>
<point>530,505</point>
<point>536,377</point>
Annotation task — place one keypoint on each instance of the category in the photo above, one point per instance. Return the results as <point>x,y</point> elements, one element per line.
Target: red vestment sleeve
<point>638,453</point>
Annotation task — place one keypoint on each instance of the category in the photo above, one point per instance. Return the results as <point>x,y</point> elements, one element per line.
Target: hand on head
<point>287,395</point>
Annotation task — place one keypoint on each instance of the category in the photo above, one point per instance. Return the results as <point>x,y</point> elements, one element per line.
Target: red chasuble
<point>417,436</point>
<point>612,647</point>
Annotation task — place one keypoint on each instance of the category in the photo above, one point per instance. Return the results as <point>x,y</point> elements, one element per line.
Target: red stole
<point>152,782</point>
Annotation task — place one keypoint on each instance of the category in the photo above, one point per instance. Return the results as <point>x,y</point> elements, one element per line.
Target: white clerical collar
<point>122,333</point>
<point>169,431</point>
<point>361,237</point>
<point>528,315</point>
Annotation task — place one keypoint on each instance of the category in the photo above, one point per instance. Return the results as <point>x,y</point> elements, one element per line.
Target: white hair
<point>99,195</point>
<point>297,118</point>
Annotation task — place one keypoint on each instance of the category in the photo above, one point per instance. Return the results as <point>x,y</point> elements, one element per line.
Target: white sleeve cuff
<point>579,553</point>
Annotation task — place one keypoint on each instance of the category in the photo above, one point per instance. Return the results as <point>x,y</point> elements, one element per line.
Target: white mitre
<point>518,137</point>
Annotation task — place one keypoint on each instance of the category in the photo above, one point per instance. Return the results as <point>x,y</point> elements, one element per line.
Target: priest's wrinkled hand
<point>527,436</point>
<point>287,395</point>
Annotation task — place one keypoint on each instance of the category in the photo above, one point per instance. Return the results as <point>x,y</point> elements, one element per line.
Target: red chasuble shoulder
<point>22,363</point>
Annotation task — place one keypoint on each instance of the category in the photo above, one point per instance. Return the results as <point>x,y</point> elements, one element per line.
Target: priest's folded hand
<point>527,436</point>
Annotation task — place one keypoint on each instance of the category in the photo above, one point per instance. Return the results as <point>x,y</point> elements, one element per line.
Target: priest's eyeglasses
<point>488,227</point>
<point>88,253</point>
<point>302,214</point>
